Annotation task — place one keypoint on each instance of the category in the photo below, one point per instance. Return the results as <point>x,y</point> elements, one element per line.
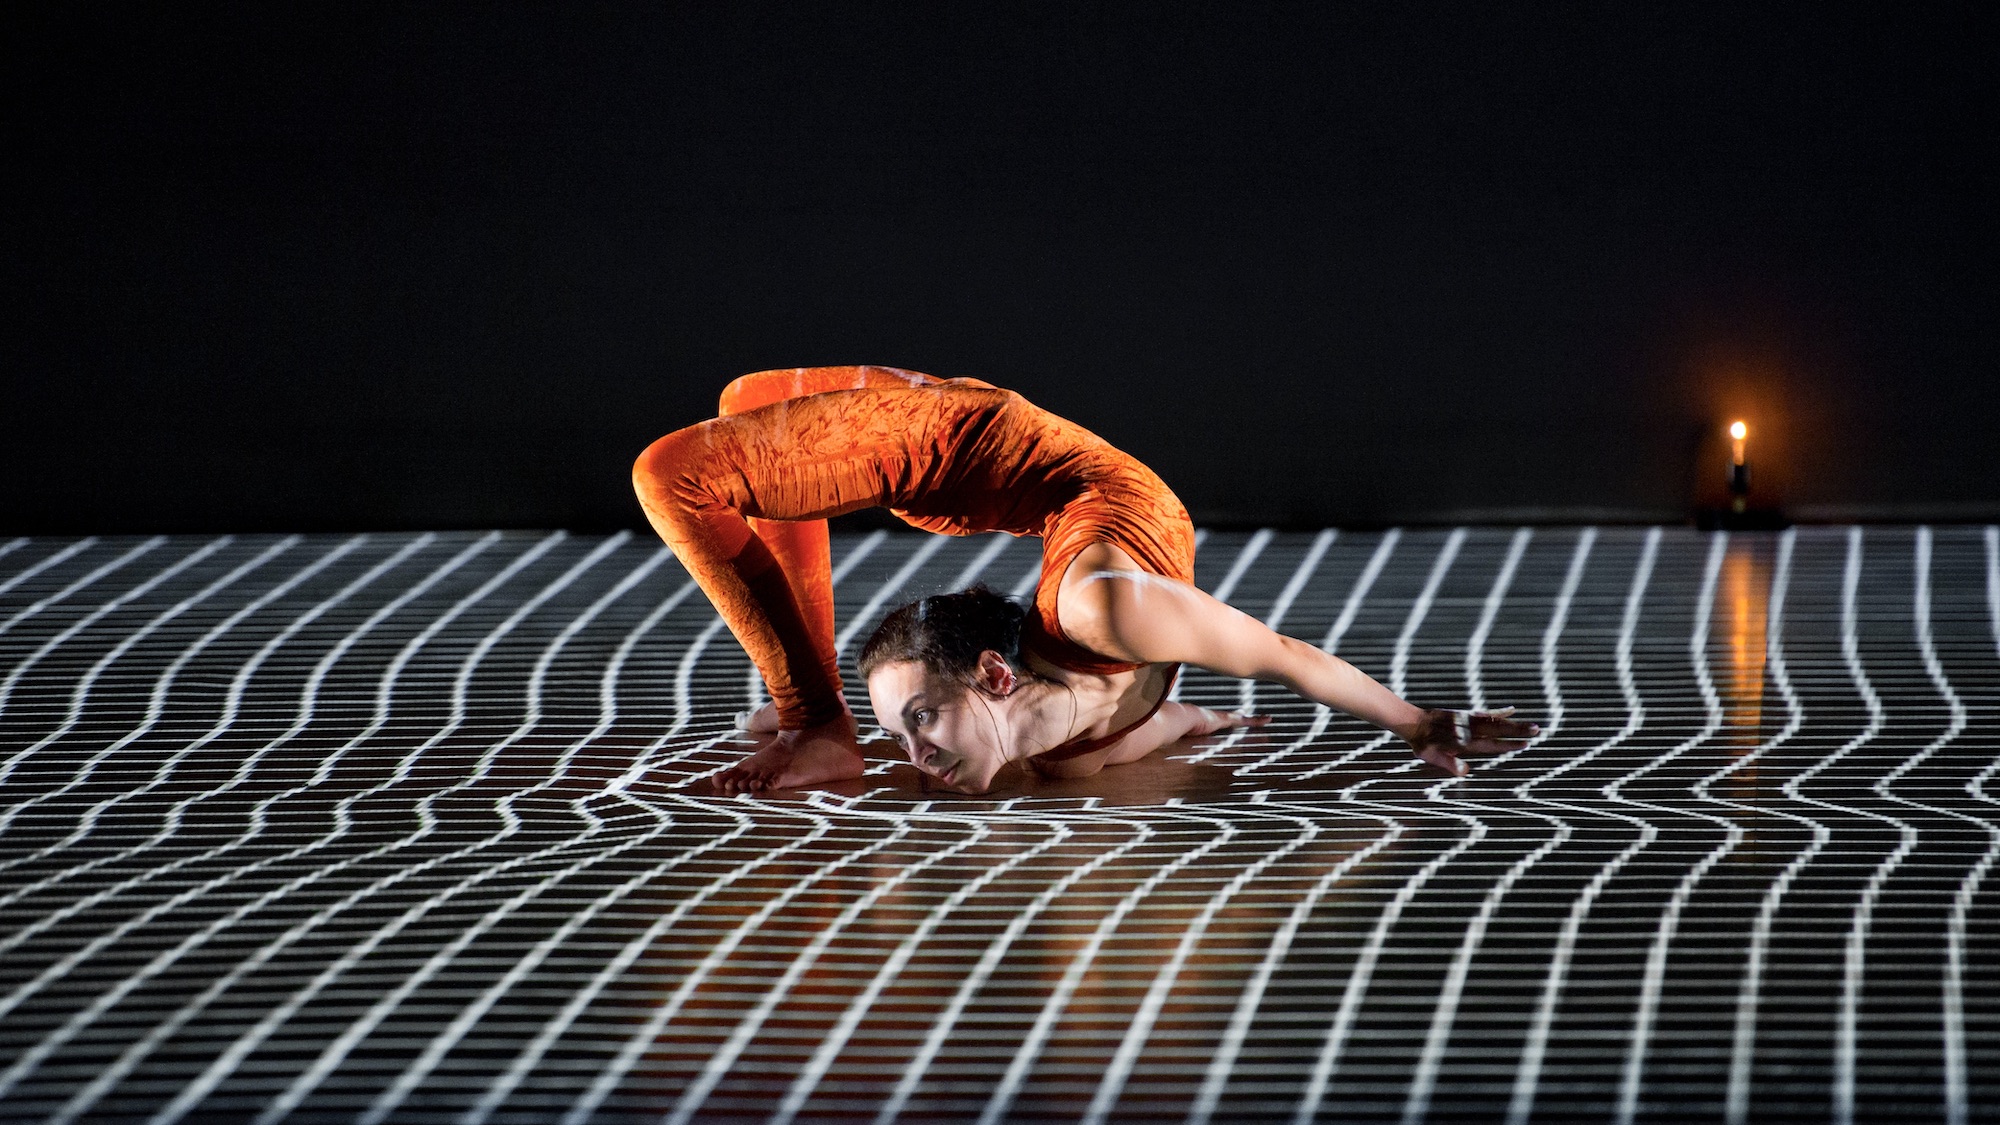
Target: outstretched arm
<point>1112,607</point>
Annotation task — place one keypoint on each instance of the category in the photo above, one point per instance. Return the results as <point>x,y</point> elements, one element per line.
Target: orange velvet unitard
<point>742,500</point>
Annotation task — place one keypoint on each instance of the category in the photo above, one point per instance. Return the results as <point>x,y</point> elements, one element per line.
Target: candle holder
<point>1741,514</point>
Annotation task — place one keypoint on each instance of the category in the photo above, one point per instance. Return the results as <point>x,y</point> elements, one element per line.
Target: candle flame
<point>1738,430</point>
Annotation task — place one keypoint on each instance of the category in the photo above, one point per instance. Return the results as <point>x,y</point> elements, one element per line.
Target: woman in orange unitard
<point>969,683</point>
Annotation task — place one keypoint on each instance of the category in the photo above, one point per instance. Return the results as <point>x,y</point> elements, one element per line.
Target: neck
<point>1043,714</point>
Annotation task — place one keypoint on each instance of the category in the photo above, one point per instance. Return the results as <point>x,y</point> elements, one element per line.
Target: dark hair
<point>946,633</point>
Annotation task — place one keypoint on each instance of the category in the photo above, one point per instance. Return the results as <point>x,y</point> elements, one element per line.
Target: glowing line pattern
<point>401,828</point>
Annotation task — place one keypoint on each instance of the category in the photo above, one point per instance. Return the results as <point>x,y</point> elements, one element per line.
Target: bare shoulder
<point>1088,606</point>
<point>1110,604</point>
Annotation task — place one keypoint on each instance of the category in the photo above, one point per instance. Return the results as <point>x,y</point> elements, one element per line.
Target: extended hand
<point>1209,721</point>
<point>1444,735</point>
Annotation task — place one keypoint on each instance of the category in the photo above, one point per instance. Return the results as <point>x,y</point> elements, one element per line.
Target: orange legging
<point>742,501</point>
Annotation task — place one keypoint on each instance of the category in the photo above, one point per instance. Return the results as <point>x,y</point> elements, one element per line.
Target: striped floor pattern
<point>413,828</point>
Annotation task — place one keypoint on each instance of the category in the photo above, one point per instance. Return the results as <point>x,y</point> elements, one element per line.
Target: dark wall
<point>386,267</point>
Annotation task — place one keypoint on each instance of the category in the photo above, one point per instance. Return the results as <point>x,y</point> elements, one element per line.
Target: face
<point>949,731</point>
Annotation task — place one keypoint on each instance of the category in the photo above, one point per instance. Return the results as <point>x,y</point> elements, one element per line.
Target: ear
<point>993,675</point>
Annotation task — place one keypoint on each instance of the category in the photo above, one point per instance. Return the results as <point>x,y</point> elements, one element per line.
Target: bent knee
<point>666,471</point>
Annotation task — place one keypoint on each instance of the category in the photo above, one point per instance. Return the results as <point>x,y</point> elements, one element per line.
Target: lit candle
<point>1739,466</point>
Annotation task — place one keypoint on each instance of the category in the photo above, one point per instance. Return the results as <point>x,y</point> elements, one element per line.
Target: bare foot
<point>764,720</point>
<point>794,759</point>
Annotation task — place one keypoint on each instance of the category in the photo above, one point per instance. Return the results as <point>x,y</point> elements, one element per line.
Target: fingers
<point>1239,719</point>
<point>1213,720</point>
<point>1490,732</point>
<point>1443,759</point>
<point>1499,727</point>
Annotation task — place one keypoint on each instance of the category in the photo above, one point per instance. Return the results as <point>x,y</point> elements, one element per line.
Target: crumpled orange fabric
<point>742,500</point>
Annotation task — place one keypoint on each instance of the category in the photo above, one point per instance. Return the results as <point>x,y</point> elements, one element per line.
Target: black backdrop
<point>411,266</point>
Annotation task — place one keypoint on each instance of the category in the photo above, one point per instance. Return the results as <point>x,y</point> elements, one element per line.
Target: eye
<point>924,716</point>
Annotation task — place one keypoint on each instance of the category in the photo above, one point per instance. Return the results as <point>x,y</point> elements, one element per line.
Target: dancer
<point>971,682</point>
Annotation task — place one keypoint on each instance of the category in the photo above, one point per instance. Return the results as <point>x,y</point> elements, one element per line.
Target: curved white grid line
<point>1148,1012</point>
<point>354,954</point>
<point>1023,589</point>
<point>525,1061</point>
<point>232,705</point>
<point>1952,1034</point>
<point>1030,1049</point>
<point>1326,1064</point>
<point>1733,831</point>
<point>107,1077</point>
<point>156,707</point>
<point>225,1063</point>
<point>1327,1061</point>
<point>1857,943</point>
<point>1737,1097</point>
<point>1238,567</point>
<point>54,559</point>
<point>156,702</point>
<point>82,689</point>
<point>1899,880</point>
<point>893,586</point>
<point>857,1009</point>
<point>1955,1067</point>
<point>684,682</point>
<point>1223,1063</point>
<point>990,958</point>
<point>1322,714</point>
<point>1247,690</point>
<point>1416,1104</point>
<point>1399,659</point>
<point>1656,953</point>
<point>104,1001</point>
<point>724,1056</point>
<point>461,1024</point>
<point>533,1053</point>
<point>1845,1045</point>
<point>134,1053</point>
<point>1475,648</point>
<point>1534,1050</point>
<point>359,1028</point>
<point>611,1075</point>
<point>33,1057</point>
<point>537,1048</point>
